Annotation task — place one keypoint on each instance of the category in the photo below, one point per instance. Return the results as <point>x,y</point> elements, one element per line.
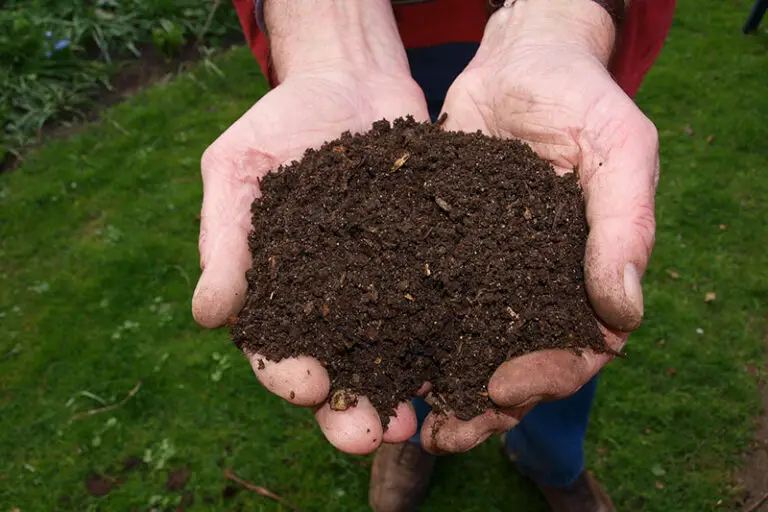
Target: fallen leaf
<point>98,485</point>
<point>673,274</point>
<point>723,227</point>
<point>671,372</point>
<point>177,479</point>
<point>710,139</point>
<point>659,485</point>
<point>710,296</point>
<point>409,297</point>
<point>229,491</point>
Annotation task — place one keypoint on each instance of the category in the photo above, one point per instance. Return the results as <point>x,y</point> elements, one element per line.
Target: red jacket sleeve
<point>642,37</point>
<point>257,40</point>
<point>430,23</point>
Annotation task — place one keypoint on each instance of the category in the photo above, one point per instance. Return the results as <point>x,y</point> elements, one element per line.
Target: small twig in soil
<point>109,407</point>
<point>261,491</point>
<point>441,119</point>
<point>762,501</point>
<point>557,215</point>
<point>616,353</point>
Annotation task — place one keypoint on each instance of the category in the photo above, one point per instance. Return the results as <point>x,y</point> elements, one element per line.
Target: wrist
<point>309,37</point>
<point>582,26</point>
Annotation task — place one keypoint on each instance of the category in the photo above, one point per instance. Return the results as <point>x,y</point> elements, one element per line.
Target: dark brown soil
<point>410,254</point>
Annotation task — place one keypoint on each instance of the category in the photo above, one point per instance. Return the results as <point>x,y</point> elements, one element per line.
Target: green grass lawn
<point>98,260</point>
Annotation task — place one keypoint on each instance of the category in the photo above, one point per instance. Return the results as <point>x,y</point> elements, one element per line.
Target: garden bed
<point>62,62</point>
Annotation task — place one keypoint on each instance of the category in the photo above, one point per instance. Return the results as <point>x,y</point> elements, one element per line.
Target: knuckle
<point>645,225</point>
<point>213,157</point>
<point>648,132</point>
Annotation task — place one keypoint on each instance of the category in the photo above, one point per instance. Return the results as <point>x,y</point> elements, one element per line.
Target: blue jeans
<point>548,444</point>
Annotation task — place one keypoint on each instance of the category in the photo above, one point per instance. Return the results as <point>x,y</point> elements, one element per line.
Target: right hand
<point>304,111</point>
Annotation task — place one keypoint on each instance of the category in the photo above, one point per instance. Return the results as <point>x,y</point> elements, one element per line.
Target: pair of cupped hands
<point>526,82</point>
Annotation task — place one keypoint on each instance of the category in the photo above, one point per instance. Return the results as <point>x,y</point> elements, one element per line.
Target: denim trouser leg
<point>548,444</point>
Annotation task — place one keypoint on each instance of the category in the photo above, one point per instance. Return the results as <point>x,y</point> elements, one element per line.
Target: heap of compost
<point>410,254</point>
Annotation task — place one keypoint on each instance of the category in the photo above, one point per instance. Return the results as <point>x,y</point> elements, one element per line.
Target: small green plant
<point>57,55</point>
<point>222,363</point>
<point>168,37</point>
<point>159,456</point>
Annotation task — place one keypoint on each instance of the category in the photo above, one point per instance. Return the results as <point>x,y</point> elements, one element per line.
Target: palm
<point>300,113</point>
<point>568,108</point>
<point>556,103</point>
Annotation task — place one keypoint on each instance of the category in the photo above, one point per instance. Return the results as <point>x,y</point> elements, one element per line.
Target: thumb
<point>619,195</point>
<point>230,184</point>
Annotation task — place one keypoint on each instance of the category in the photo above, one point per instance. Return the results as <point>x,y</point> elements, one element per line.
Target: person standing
<point>558,74</point>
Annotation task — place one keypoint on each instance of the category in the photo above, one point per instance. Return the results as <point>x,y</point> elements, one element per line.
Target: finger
<point>300,380</point>
<point>619,189</point>
<point>402,426</point>
<point>549,374</point>
<point>357,430</point>
<point>447,434</point>
<point>230,182</point>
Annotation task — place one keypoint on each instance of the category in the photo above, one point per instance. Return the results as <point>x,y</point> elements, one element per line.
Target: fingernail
<point>633,291</point>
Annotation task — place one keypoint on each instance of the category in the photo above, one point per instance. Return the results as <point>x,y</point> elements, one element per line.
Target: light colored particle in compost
<point>400,162</point>
<point>343,399</point>
<point>443,204</point>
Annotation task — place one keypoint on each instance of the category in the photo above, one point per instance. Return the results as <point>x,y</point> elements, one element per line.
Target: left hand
<point>540,75</point>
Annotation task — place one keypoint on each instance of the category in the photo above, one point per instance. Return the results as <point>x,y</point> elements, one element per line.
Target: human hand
<point>540,75</point>
<point>340,68</point>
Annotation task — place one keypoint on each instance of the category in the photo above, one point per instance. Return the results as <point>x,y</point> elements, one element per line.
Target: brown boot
<point>584,495</point>
<point>399,477</point>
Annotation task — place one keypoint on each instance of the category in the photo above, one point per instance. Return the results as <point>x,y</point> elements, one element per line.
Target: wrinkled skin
<point>565,104</point>
<point>303,111</point>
